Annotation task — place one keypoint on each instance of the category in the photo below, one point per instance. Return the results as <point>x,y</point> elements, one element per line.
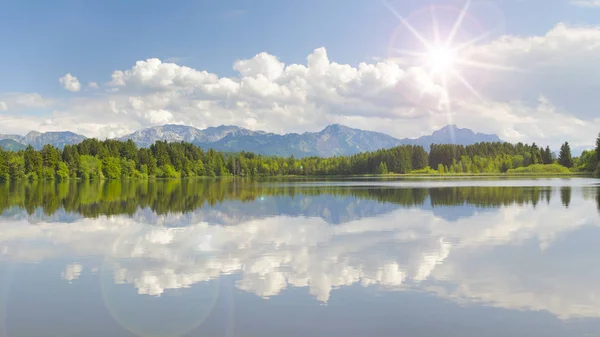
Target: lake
<point>282,257</point>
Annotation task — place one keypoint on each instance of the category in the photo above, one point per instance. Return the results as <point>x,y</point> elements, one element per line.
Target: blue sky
<point>43,41</point>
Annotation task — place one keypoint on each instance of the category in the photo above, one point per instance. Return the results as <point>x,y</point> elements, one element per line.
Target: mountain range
<point>331,141</point>
<point>39,139</point>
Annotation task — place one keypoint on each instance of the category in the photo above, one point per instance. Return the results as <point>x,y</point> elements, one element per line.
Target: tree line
<point>111,159</point>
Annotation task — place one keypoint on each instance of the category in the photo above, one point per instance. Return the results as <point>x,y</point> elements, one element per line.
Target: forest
<point>114,160</point>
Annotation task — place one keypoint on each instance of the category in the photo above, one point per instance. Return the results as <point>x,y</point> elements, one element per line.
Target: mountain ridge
<point>39,139</point>
<point>333,140</point>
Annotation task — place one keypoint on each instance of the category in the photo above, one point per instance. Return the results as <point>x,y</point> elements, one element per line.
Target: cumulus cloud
<point>261,64</point>
<point>93,85</point>
<point>70,83</point>
<point>3,106</point>
<point>398,98</point>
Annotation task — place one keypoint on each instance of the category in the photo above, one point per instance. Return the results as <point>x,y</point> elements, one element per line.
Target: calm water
<point>301,258</point>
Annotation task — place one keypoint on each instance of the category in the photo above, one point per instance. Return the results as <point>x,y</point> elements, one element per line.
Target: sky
<point>526,70</point>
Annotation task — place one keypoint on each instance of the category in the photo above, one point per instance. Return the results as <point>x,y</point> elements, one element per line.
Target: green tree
<point>536,155</point>
<point>33,163</point>
<point>547,156</point>
<point>4,174</point>
<point>50,156</point>
<point>111,168</point>
<point>63,171</point>
<point>598,148</point>
<point>16,167</point>
<point>564,158</point>
<point>383,169</point>
<point>89,168</point>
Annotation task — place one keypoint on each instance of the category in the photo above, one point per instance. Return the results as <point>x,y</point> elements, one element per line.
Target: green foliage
<point>111,168</point>
<point>547,157</point>
<point>425,170</point>
<point>588,161</point>
<point>168,171</point>
<point>598,148</point>
<point>383,169</point>
<point>564,158</point>
<point>4,174</point>
<point>50,156</point>
<point>16,167</point>
<point>540,169</point>
<point>62,173</point>
<point>90,168</point>
<point>47,174</point>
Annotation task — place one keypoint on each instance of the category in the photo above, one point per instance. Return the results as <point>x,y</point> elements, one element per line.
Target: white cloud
<point>586,3</point>
<point>93,85</point>
<point>70,83</point>
<point>29,100</point>
<point>387,96</point>
<point>15,121</point>
<point>261,64</point>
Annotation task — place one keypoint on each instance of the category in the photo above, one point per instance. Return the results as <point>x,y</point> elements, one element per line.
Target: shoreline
<point>423,176</point>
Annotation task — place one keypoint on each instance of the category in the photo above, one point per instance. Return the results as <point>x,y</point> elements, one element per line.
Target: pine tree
<point>598,147</point>
<point>536,156</point>
<point>547,155</point>
<point>383,169</point>
<point>564,158</point>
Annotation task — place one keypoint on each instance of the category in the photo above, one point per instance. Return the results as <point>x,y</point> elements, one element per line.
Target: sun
<point>444,58</point>
<point>440,59</point>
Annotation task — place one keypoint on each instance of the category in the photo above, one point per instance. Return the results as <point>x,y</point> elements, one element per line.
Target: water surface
<point>301,258</point>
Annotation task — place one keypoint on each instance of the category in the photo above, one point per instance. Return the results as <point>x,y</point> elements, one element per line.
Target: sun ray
<point>467,85</point>
<point>472,41</point>
<point>441,58</point>
<point>447,107</point>
<point>408,52</point>
<point>408,25</point>
<point>484,65</point>
<point>457,24</point>
<point>436,29</point>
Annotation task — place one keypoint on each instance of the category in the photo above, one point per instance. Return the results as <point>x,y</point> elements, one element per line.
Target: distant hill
<point>38,139</point>
<point>332,141</point>
<point>451,134</point>
<point>178,133</point>
<point>11,145</point>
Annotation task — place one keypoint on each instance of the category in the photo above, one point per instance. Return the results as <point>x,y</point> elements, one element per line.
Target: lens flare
<point>440,59</point>
<point>447,53</point>
<point>442,55</point>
